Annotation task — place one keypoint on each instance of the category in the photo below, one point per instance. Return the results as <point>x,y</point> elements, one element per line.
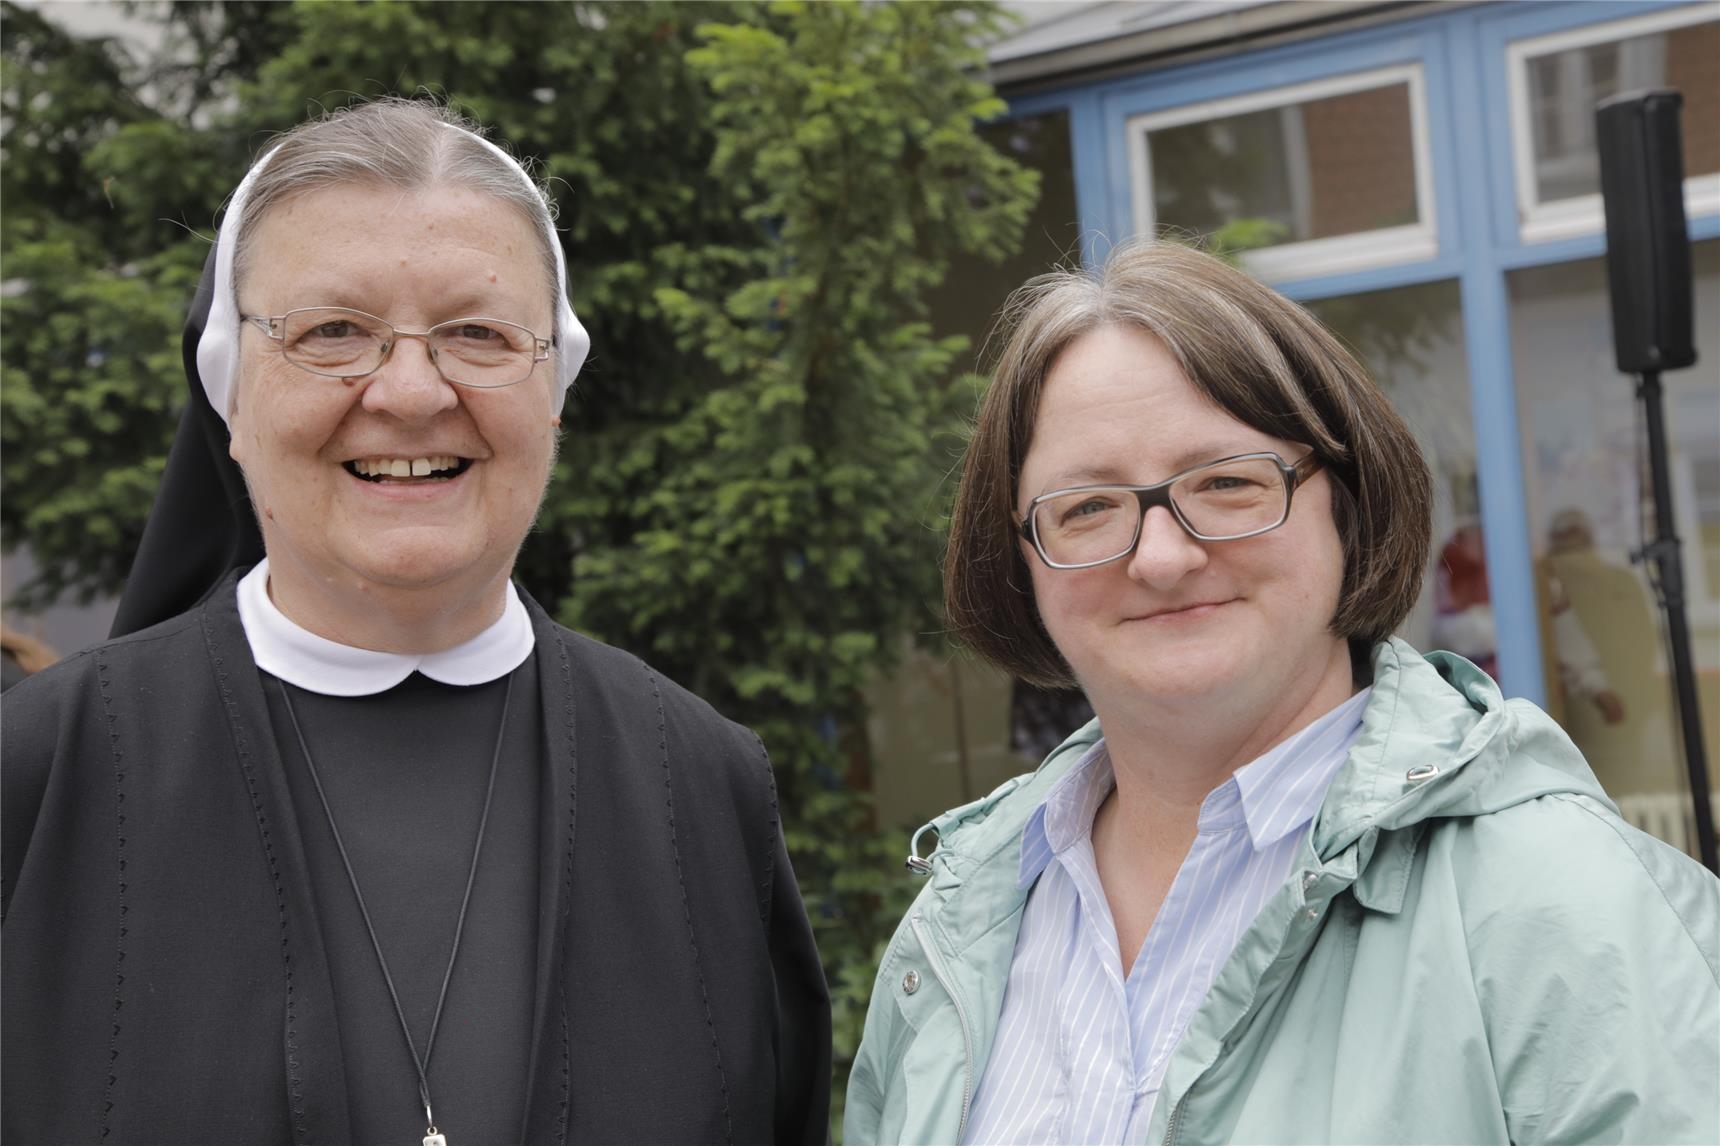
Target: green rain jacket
<point>1472,947</point>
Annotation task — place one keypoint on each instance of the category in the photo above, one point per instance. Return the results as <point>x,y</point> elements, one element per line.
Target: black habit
<point>165,978</point>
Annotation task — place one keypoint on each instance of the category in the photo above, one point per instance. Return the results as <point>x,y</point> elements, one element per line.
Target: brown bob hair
<point>1253,353</point>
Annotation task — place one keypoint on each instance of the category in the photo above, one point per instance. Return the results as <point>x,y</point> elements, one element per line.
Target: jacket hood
<point>1439,740</point>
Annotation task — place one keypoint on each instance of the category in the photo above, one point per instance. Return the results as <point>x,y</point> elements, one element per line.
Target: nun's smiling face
<point>342,544</point>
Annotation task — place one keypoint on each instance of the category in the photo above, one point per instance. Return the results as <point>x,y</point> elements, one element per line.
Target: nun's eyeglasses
<point>1225,500</point>
<point>339,343</point>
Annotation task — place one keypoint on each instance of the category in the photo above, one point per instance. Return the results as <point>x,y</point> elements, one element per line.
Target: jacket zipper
<point>936,962</point>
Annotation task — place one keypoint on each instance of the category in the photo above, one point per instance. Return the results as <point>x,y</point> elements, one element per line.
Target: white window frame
<point>1540,222</point>
<point>1387,246</point>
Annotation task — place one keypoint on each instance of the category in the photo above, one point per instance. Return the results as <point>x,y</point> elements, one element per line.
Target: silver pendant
<point>435,1138</point>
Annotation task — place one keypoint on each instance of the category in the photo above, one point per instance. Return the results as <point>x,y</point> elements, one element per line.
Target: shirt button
<point>910,982</point>
<point>1311,914</point>
<point>1309,880</point>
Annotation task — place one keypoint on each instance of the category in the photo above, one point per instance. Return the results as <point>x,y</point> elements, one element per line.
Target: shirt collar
<point>1066,813</point>
<point>300,657</point>
<point>1283,788</point>
<point>1279,791</point>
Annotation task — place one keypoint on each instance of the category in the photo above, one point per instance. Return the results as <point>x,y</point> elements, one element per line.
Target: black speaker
<point>1648,244</point>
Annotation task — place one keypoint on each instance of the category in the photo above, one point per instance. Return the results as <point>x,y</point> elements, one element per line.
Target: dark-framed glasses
<point>1225,500</point>
<point>336,342</point>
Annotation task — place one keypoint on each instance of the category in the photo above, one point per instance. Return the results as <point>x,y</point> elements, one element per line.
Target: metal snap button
<point>910,982</point>
<point>1421,772</point>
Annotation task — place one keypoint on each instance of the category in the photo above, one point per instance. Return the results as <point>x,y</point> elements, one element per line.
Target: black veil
<point>202,525</point>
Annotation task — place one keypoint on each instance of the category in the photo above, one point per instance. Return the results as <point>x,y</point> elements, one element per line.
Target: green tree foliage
<point>89,356</point>
<point>776,532</point>
<point>755,201</point>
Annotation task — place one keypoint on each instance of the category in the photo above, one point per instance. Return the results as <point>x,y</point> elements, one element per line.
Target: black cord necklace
<point>432,1136</point>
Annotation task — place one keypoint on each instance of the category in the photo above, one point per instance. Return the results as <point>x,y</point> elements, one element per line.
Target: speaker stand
<point>1667,576</point>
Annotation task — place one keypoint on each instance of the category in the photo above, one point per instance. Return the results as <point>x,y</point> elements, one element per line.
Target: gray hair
<point>392,142</point>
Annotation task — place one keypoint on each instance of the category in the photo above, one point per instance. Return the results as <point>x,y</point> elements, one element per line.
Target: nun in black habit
<point>341,838</point>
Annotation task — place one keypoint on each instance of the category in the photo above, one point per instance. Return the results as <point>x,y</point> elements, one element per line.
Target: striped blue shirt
<point>1080,1049</point>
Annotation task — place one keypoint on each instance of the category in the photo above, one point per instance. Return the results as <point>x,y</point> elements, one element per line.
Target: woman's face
<point>415,259</point>
<point>1229,624</point>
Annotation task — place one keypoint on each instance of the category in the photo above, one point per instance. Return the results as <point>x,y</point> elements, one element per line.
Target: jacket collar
<point>1437,740</point>
<point>979,846</point>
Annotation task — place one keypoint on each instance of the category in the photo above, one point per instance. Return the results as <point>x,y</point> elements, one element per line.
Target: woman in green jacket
<point>1296,882</point>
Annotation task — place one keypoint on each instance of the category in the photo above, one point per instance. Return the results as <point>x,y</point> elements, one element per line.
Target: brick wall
<point>1361,155</point>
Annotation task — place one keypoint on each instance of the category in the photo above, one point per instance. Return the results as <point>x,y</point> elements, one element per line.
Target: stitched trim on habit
<point>772,827</point>
<point>119,835</point>
<point>566,888</point>
<point>295,1084</point>
<point>686,906</point>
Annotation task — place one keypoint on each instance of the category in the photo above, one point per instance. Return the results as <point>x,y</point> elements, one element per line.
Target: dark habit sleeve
<point>802,1016</point>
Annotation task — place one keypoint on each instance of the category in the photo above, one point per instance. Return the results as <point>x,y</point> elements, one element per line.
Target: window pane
<point>1313,170</point>
<point>1607,676</point>
<point>1565,86</point>
<point>1411,341</point>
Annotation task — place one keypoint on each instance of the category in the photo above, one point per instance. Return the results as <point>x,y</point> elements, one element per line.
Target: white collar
<point>317,664</point>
